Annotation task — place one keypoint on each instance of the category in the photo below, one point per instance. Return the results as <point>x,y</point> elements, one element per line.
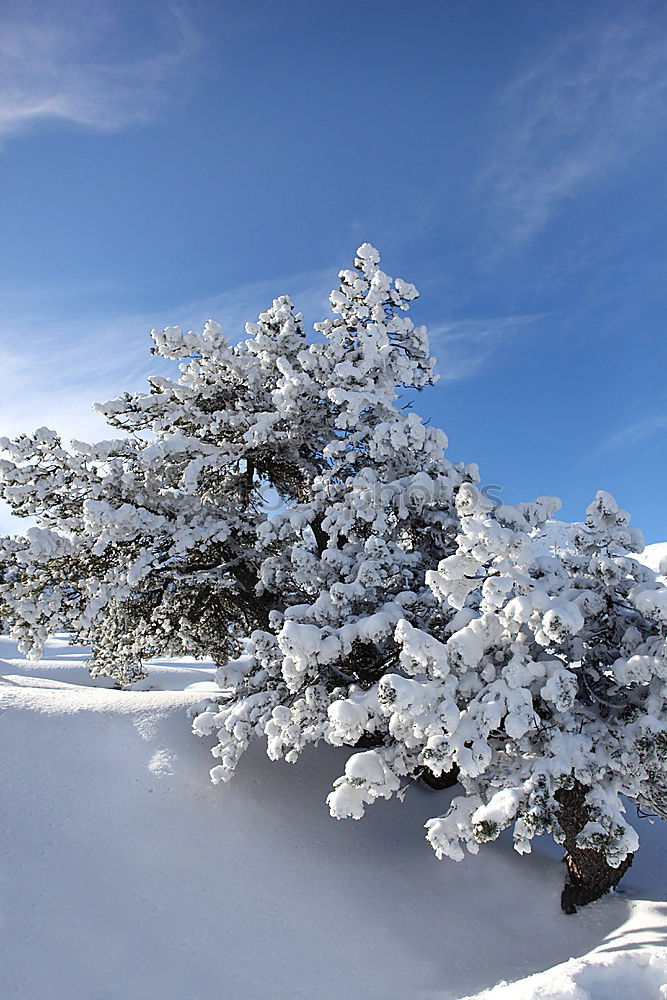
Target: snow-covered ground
<point>125,874</point>
<point>653,555</point>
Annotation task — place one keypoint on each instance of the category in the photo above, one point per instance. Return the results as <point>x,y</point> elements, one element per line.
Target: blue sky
<point>160,163</point>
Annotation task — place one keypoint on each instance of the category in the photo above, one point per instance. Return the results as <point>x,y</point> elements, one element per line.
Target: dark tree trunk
<point>589,875</point>
<point>439,781</point>
<point>369,741</point>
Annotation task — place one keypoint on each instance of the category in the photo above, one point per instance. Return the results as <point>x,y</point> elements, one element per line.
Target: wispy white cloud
<point>631,436</point>
<point>84,63</point>
<point>581,110</point>
<point>466,347</point>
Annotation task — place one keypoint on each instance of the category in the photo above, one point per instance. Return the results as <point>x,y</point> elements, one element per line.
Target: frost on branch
<point>277,506</point>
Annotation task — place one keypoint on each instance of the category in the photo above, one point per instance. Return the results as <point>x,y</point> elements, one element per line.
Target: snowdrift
<point>125,874</point>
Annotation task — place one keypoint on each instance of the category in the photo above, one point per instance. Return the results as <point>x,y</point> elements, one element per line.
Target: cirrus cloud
<point>86,64</point>
<point>578,113</point>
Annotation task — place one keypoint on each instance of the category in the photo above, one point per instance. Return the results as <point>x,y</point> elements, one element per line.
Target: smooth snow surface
<point>653,555</point>
<point>125,874</point>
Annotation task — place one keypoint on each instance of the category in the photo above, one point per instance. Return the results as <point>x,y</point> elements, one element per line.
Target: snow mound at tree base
<point>127,875</point>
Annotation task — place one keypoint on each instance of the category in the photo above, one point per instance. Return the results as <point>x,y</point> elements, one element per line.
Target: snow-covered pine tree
<point>542,679</point>
<point>346,563</point>
<point>494,669</point>
<point>147,545</point>
<point>386,606</point>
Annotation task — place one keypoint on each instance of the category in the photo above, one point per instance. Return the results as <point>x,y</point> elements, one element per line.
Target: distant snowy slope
<point>126,875</point>
<point>655,555</point>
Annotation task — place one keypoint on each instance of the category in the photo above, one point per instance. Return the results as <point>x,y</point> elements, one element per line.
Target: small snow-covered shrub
<point>383,604</point>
